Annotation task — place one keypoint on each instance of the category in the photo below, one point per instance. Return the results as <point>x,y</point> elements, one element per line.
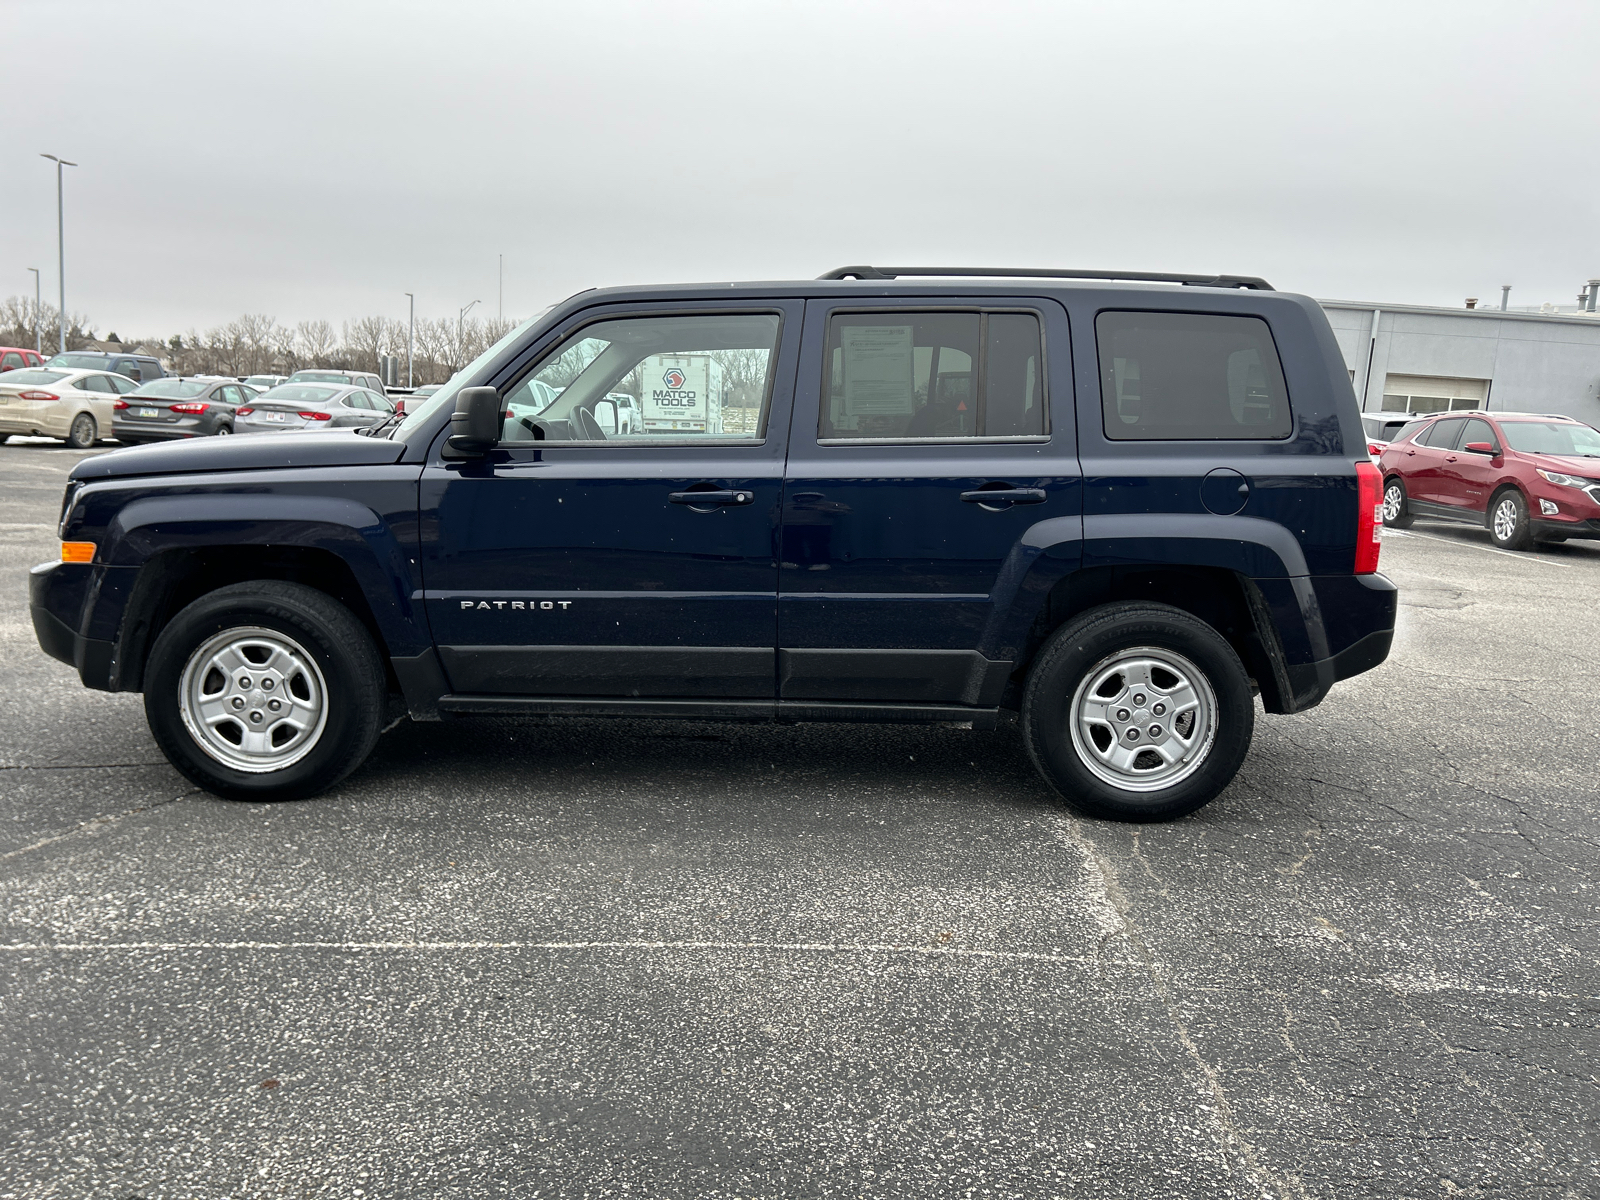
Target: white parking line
<point>1523,556</point>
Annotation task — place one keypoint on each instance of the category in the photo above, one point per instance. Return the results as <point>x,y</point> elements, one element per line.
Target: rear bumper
<point>1318,630</point>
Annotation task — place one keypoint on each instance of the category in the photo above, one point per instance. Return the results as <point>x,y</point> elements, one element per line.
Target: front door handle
<point>1005,496</point>
<point>712,499</point>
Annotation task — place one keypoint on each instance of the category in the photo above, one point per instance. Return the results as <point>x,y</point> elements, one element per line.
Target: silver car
<point>291,406</point>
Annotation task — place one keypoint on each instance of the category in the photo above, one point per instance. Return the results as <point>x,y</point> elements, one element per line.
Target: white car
<point>76,406</point>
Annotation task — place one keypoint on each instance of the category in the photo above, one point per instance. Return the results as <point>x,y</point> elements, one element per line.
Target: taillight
<point>244,412</point>
<point>1374,449</point>
<point>317,416</point>
<point>1369,516</point>
<point>120,405</point>
<point>37,395</point>
<point>193,408</point>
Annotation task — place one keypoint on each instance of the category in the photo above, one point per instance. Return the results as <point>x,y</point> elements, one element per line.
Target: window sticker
<point>878,378</point>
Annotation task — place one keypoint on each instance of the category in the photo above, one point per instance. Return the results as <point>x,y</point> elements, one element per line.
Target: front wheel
<point>265,691</point>
<point>1509,527</point>
<point>1137,712</point>
<point>1395,513</point>
<point>81,434</point>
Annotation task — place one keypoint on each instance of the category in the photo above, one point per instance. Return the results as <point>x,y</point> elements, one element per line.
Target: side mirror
<point>1480,448</point>
<point>475,425</point>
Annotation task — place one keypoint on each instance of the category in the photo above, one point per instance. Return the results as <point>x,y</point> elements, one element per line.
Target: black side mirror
<point>475,425</point>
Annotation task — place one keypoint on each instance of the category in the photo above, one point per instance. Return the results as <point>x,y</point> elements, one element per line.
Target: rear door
<point>1423,470</point>
<point>908,412</point>
<point>575,563</point>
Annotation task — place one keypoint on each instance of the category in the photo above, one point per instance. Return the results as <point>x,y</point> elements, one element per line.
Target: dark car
<point>175,409</point>
<point>141,368</point>
<point>1117,511</point>
<point>1525,477</point>
<point>291,406</point>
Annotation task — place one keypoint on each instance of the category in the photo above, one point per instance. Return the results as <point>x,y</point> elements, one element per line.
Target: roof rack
<point>1252,282</point>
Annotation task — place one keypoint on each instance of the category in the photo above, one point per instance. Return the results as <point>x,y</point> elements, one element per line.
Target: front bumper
<point>57,598</point>
<point>1544,527</point>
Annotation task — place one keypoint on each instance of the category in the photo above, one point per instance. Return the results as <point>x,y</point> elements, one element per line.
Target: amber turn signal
<point>81,552</point>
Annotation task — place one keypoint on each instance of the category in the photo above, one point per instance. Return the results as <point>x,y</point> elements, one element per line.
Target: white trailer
<point>682,393</point>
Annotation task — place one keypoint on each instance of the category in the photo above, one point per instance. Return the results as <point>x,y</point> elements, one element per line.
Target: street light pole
<point>411,341</point>
<point>460,319</point>
<point>61,247</point>
<point>502,287</point>
<point>38,333</point>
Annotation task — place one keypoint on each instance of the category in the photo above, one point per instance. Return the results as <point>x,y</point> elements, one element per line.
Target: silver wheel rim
<point>1391,502</point>
<point>82,430</point>
<point>1143,719</point>
<point>253,699</point>
<point>1505,519</point>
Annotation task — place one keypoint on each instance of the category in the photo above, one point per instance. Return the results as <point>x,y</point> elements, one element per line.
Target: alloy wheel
<point>253,699</point>
<point>1143,719</point>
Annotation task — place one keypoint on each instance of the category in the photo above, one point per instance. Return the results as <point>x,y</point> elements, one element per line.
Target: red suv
<point>1527,477</point>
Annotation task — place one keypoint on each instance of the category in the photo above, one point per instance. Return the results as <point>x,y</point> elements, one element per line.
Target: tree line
<point>257,344</point>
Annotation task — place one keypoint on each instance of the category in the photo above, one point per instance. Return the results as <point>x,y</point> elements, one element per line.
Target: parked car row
<point>1526,477</point>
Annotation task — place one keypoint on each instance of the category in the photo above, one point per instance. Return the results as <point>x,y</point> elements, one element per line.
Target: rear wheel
<point>265,691</point>
<point>1509,527</point>
<point>222,429</point>
<point>1137,712</point>
<point>1396,515</point>
<point>81,434</point>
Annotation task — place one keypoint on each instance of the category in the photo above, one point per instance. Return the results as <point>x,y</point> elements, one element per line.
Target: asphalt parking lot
<point>594,959</point>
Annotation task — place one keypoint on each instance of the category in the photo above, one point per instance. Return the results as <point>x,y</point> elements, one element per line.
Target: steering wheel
<point>588,426</point>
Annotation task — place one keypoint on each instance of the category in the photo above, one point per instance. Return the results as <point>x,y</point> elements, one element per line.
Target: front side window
<point>704,378</point>
<point>11,361</point>
<point>911,375</point>
<point>1190,377</point>
<point>1479,430</point>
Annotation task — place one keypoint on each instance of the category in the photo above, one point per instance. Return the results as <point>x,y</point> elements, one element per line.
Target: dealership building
<point>1410,358</point>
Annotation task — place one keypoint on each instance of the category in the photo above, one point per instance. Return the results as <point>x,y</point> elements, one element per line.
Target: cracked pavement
<point>597,959</point>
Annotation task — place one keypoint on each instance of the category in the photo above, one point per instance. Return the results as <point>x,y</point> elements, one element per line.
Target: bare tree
<point>317,342</point>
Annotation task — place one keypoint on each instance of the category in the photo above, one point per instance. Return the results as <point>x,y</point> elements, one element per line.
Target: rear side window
<point>905,375</point>
<point>1443,434</point>
<point>1409,430</point>
<point>1190,377</point>
<point>11,362</point>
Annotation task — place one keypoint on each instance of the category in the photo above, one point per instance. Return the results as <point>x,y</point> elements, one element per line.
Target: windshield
<point>1548,437</point>
<point>11,378</point>
<point>97,361</point>
<point>295,393</point>
<point>418,417</point>
<point>320,377</point>
<point>170,389</point>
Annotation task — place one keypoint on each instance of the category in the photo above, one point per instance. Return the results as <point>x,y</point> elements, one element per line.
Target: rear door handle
<point>1006,496</point>
<point>712,499</point>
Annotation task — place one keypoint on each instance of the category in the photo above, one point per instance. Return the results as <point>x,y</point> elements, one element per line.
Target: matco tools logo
<point>674,378</point>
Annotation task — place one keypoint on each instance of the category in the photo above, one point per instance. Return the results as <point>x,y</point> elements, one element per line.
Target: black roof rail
<point>1226,281</point>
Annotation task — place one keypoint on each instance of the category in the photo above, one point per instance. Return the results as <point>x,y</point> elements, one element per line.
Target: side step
<point>719,710</point>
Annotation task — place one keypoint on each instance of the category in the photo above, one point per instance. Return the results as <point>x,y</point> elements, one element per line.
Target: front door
<point>922,449</point>
<point>575,560</point>
<point>1467,476</point>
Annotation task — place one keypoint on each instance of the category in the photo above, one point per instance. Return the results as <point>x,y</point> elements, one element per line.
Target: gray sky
<point>317,160</point>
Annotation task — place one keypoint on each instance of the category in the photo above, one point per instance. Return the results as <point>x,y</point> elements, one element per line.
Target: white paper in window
<point>878,370</point>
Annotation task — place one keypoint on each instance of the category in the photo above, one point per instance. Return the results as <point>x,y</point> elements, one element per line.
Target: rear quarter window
<point>1190,377</point>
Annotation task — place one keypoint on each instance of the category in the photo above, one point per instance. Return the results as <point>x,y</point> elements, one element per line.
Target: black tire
<point>1509,527</point>
<point>221,429</point>
<point>81,434</point>
<point>352,686</point>
<point>129,441</point>
<point>1089,645</point>
<point>1394,487</point>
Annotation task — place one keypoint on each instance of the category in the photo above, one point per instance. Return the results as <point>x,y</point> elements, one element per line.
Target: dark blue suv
<point>1119,510</point>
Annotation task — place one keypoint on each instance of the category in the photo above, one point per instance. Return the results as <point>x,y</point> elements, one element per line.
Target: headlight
<point>1565,480</point>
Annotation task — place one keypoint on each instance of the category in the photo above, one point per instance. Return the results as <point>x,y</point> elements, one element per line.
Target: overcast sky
<point>319,159</point>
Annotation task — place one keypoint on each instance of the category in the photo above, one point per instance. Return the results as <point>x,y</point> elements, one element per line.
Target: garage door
<point>1433,393</point>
